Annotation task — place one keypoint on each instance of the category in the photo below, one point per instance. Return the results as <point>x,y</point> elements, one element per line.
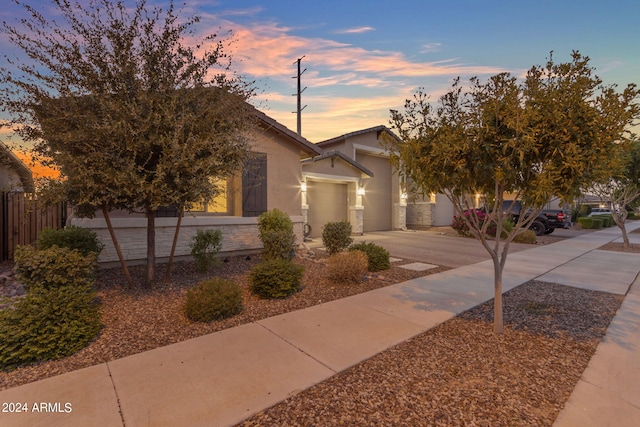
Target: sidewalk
<point>222,378</point>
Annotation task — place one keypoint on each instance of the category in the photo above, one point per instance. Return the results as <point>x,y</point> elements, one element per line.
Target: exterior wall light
<point>404,196</point>
<point>303,186</point>
<point>360,191</point>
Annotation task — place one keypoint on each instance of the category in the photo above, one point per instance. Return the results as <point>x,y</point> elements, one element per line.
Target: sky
<point>363,58</point>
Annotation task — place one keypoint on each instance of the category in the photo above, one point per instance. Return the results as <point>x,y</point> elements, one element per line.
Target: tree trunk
<point>498,324</point>
<point>151,247</point>
<point>167,274</point>
<point>116,245</point>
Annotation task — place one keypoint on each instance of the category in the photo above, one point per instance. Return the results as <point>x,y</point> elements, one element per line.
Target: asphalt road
<point>433,247</point>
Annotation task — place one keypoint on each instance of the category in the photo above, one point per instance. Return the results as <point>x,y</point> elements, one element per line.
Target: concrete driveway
<point>433,247</point>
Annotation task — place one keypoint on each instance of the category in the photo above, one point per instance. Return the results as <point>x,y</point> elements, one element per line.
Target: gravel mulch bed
<point>461,373</point>
<point>137,320</point>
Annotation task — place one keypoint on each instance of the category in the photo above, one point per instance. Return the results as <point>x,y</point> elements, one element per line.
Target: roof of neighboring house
<point>335,153</point>
<point>302,143</point>
<point>341,138</point>
<point>8,158</point>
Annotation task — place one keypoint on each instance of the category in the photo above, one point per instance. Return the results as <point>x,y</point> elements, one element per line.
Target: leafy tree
<point>533,139</point>
<point>134,117</point>
<point>620,185</point>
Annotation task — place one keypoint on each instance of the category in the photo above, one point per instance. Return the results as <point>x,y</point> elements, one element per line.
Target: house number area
<point>44,407</point>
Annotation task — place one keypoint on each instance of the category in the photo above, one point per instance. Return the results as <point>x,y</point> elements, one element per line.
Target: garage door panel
<point>377,197</point>
<point>327,203</point>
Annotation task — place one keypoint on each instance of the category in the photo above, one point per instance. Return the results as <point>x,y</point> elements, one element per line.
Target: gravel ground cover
<point>459,373</point>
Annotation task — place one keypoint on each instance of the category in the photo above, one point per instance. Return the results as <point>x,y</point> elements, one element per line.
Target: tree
<point>620,185</point>
<point>533,139</point>
<point>134,118</point>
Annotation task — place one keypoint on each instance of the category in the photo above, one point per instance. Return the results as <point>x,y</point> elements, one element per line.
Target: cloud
<point>431,47</point>
<point>356,30</point>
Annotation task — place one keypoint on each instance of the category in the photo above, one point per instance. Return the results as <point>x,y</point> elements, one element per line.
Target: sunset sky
<point>363,58</point>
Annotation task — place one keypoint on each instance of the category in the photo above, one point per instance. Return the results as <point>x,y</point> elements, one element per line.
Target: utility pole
<point>299,94</point>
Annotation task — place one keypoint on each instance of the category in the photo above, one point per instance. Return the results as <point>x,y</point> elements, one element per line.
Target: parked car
<point>546,222</point>
<point>600,211</point>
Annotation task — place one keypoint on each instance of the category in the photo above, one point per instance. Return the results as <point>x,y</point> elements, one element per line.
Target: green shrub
<point>597,223</point>
<point>347,267</point>
<point>276,278</point>
<point>204,247</point>
<point>213,299</point>
<point>378,257</point>
<point>279,244</point>
<point>277,236</point>
<point>526,236</point>
<point>72,237</point>
<point>54,267</point>
<point>274,220</point>
<point>607,220</point>
<point>48,323</point>
<point>336,236</point>
<point>586,222</point>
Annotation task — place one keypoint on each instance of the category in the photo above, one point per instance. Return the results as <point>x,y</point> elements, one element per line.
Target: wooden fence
<point>22,217</point>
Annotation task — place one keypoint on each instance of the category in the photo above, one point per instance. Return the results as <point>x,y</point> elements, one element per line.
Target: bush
<point>279,244</point>
<point>347,267</point>
<point>205,245</point>
<point>378,257</point>
<point>597,223</point>
<point>527,236</point>
<point>276,233</point>
<point>72,237</point>
<point>213,299</point>
<point>54,267</point>
<point>48,323</point>
<point>336,236</point>
<point>586,222</point>
<point>274,220</point>
<point>461,227</point>
<point>276,278</point>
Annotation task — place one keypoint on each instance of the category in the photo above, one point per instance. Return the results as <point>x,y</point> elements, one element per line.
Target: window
<point>219,204</point>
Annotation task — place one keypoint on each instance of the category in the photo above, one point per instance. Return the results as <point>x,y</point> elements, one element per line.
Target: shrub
<point>72,237</point>
<point>279,244</point>
<point>274,220</point>
<point>461,227</point>
<point>276,278</point>
<point>54,267</point>
<point>336,236</point>
<point>204,247</point>
<point>378,257</point>
<point>48,323</point>
<point>527,236</point>
<point>597,223</point>
<point>276,233</point>
<point>347,267</point>
<point>586,222</point>
<point>213,299</point>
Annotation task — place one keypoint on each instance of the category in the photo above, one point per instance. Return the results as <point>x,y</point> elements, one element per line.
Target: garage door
<point>377,197</point>
<point>327,203</point>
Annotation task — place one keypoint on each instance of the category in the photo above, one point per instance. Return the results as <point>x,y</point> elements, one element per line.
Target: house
<point>352,180</point>
<point>14,174</point>
<point>271,180</point>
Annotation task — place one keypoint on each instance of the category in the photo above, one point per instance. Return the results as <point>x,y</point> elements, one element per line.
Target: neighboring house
<point>271,180</point>
<point>14,174</point>
<point>352,180</point>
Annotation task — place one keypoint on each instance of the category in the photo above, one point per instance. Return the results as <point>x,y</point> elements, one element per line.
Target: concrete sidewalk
<point>222,378</point>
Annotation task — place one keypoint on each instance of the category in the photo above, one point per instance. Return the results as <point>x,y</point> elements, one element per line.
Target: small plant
<point>276,278</point>
<point>72,237</point>
<point>48,323</point>
<point>274,220</point>
<point>213,299</point>
<point>277,236</point>
<point>586,222</point>
<point>279,244</point>
<point>205,245</point>
<point>336,236</point>
<point>347,267</point>
<point>54,267</point>
<point>527,236</point>
<point>378,257</point>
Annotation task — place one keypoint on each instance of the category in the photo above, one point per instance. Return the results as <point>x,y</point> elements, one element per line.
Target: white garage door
<point>377,199</point>
<point>327,203</point>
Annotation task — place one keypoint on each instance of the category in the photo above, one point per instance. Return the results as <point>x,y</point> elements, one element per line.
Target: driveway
<point>433,247</point>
